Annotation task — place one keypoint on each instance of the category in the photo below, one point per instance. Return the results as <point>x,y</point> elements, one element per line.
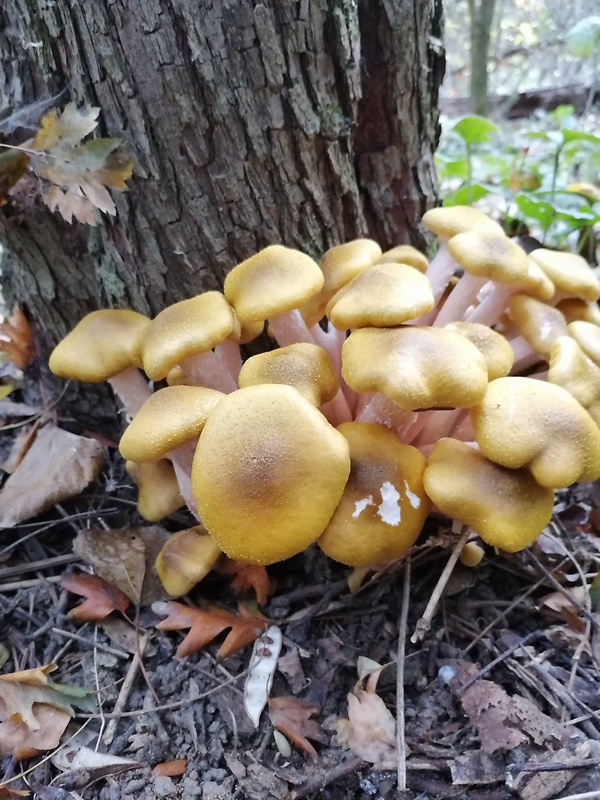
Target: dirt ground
<point>502,698</point>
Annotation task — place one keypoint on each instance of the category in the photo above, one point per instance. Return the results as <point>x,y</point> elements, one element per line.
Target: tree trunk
<point>308,123</point>
<point>481,14</point>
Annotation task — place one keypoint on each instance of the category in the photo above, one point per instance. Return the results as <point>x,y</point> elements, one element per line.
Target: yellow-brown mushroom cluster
<point>471,383</point>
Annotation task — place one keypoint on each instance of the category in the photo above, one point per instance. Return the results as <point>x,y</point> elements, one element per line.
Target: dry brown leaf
<point>125,558</point>
<point>170,768</point>
<point>16,340</point>
<point>206,624</point>
<point>101,598</point>
<point>7,792</point>
<point>28,702</point>
<point>13,165</point>
<point>292,718</point>
<point>247,577</point>
<point>372,733</point>
<point>78,172</point>
<point>58,465</point>
<point>504,722</point>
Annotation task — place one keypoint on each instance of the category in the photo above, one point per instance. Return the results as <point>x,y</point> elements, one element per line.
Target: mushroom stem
<point>463,427</point>
<point>381,409</point>
<point>438,425</point>
<point>460,299</point>
<point>132,389</point>
<point>337,410</point>
<point>290,328</point>
<point>182,458</point>
<point>491,306</point>
<point>440,270</point>
<point>524,356</point>
<point>207,369</point>
<point>230,354</point>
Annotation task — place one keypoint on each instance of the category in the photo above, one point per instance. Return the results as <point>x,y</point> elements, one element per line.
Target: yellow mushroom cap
<point>98,347</point>
<point>183,330</point>
<point>492,345</point>
<point>587,337</point>
<point>536,283</point>
<point>569,272</point>
<point>275,280</point>
<point>186,557</point>
<point>415,367</point>
<point>506,507</point>
<point>539,324</point>
<point>405,254</point>
<point>471,555</point>
<point>449,221</point>
<point>158,490</point>
<point>587,189</point>
<point>384,505</point>
<point>304,366</point>
<point>575,372</point>
<point>489,253</point>
<point>168,418</point>
<point>268,472</point>
<point>573,309</point>
<point>383,296</point>
<point>523,422</point>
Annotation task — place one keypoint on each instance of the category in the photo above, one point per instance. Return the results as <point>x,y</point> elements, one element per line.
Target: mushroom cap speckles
<point>523,422</point>
<point>99,347</point>
<point>538,323</point>
<point>268,472</point>
<point>415,367</point>
<point>489,253</point>
<point>506,507</point>
<point>492,345</point>
<point>384,505</point>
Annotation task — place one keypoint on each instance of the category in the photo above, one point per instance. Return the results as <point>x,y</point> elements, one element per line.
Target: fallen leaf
<point>7,792</point>
<point>16,340</point>
<point>28,705</point>
<point>58,465</point>
<point>372,730</point>
<point>205,625</point>
<point>170,768</point>
<point>259,680</point>
<point>247,577</point>
<point>292,717</point>
<point>101,598</point>
<point>125,558</point>
<point>290,666</point>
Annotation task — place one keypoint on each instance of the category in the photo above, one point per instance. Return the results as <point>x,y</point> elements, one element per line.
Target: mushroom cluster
<point>471,383</point>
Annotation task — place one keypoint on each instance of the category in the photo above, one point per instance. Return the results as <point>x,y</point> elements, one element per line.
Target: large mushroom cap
<point>415,367</point>
<point>168,418</point>
<point>268,472</point>
<point>449,221</point>
<point>384,296</point>
<point>506,507</point>
<point>304,366</point>
<point>488,253</point>
<point>276,280</point>
<point>184,330</point>
<point>523,422</point>
<point>384,506</point>
<point>575,372</point>
<point>99,347</point>
<point>569,272</point>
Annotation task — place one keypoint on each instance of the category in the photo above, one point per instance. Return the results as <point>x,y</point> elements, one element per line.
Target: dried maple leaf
<point>79,173</point>
<point>206,624</point>
<point>34,711</point>
<point>15,339</point>
<point>372,730</point>
<point>292,718</point>
<point>249,576</point>
<point>101,598</point>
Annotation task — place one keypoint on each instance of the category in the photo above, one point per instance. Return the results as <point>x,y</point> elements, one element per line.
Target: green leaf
<point>537,209</point>
<point>464,197</point>
<point>584,37</point>
<point>474,129</point>
<point>579,136</point>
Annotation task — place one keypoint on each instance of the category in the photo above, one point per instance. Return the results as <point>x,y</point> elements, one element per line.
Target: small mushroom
<point>587,336</point>
<point>99,349</point>
<point>384,506</point>
<point>538,324</point>
<point>523,422</point>
<point>506,507</point>
<point>569,272</point>
<point>186,557</point>
<point>158,489</point>
<point>268,473</point>
<point>405,254</point>
<point>575,372</point>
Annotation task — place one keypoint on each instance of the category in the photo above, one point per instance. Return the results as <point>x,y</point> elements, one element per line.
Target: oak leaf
<point>206,624</point>
<point>292,718</point>
<point>15,339</point>
<point>101,598</point>
<point>247,577</point>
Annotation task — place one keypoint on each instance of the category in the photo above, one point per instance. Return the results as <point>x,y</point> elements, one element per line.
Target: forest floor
<point>501,698</point>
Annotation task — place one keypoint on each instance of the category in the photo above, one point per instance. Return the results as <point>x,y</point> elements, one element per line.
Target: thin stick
<point>91,643</point>
<point>402,627</point>
<point>111,728</point>
<point>424,623</point>
<point>318,783</point>
<point>14,587</point>
<point>585,796</point>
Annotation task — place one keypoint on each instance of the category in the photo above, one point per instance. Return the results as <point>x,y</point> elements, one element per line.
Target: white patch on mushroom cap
<point>413,498</point>
<point>389,508</point>
<point>360,506</point>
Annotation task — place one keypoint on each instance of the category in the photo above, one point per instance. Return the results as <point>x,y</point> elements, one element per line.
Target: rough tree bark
<point>306,122</point>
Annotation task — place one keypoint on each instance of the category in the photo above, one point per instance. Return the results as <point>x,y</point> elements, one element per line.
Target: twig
<point>111,728</point>
<point>424,623</point>
<point>91,643</point>
<point>321,780</point>
<point>14,587</point>
<point>594,795</point>
<point>489,667</point>
<point>402,628</point>
<point>32,566</point>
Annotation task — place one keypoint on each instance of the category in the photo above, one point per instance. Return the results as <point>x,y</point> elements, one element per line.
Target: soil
<point>490,625</point>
